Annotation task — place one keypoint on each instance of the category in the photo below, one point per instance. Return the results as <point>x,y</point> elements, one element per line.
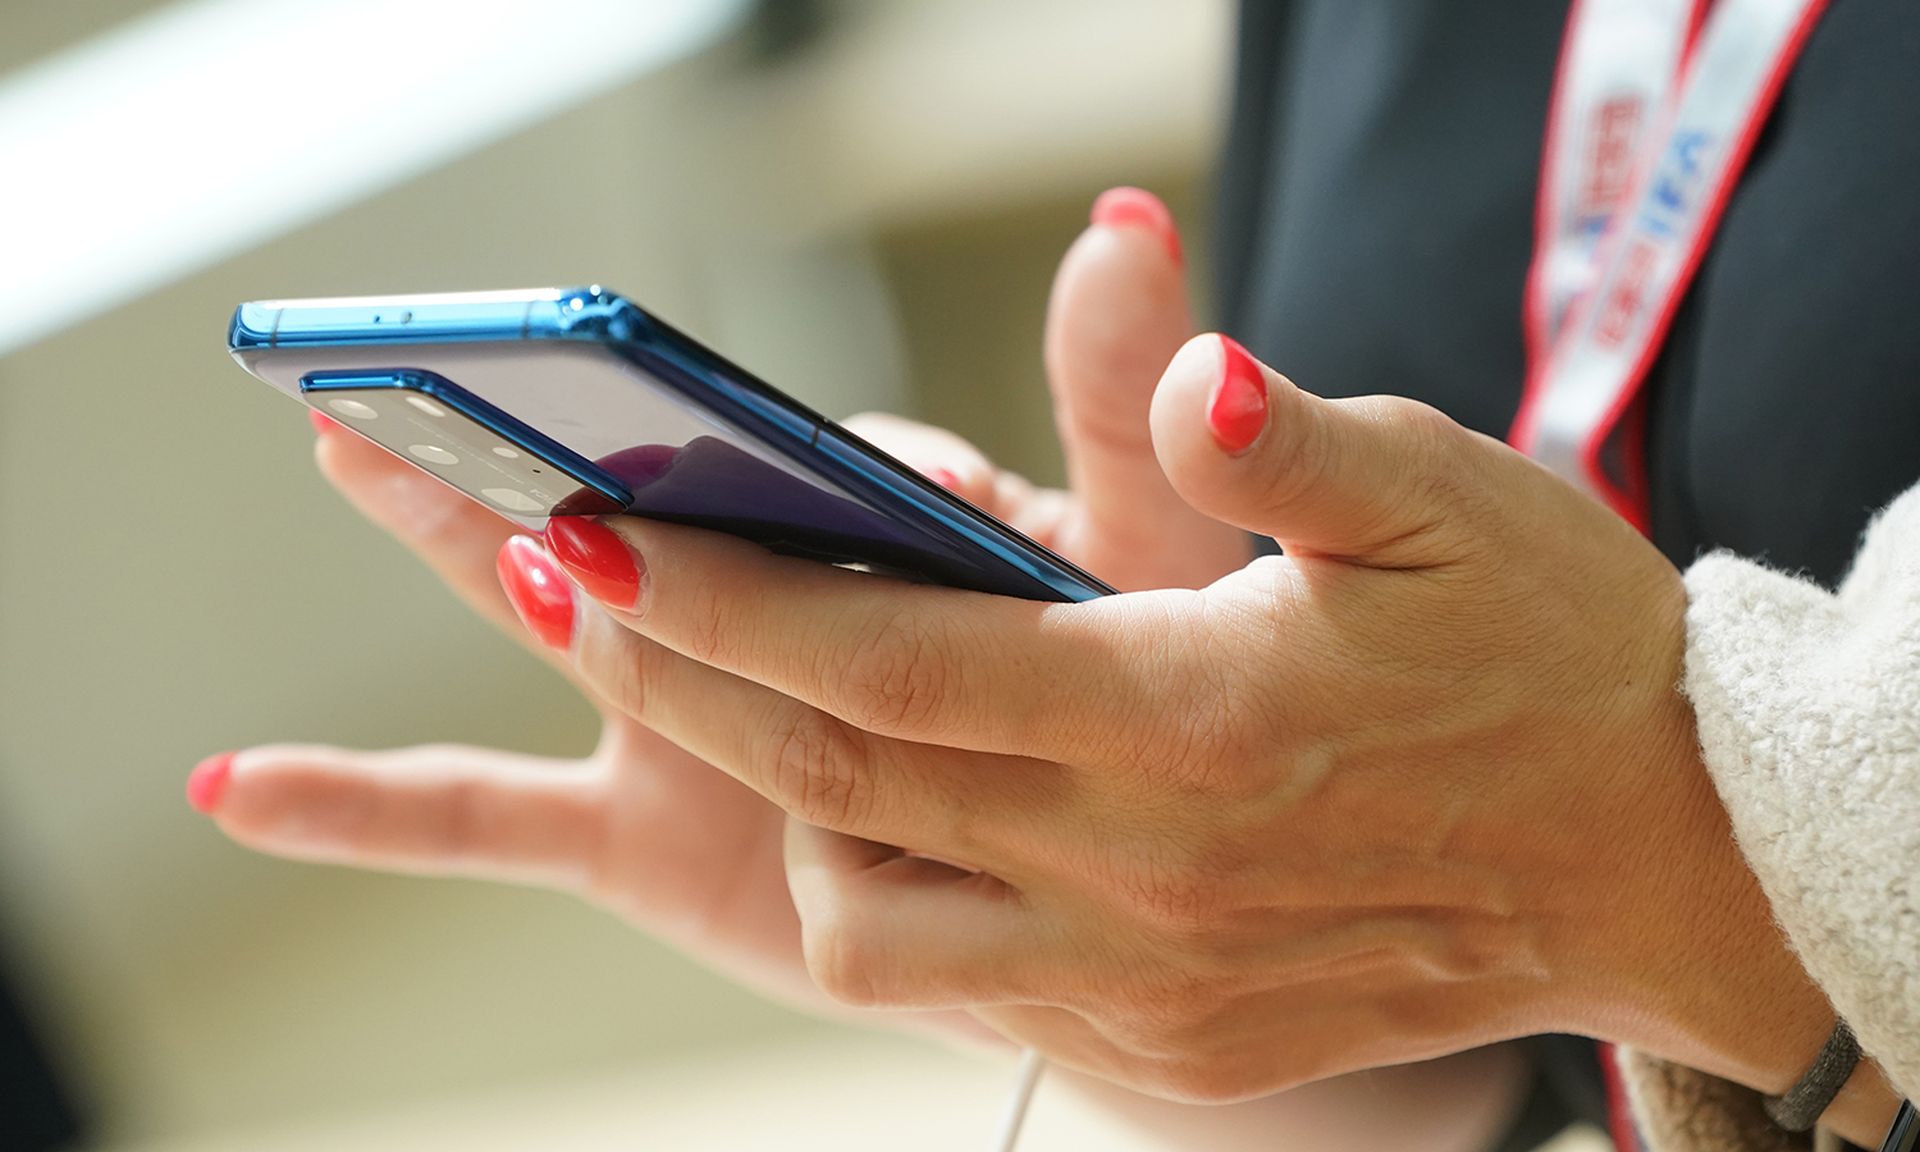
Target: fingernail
<point>538,590</point>
<point>1137,208</point>
<point>322,423</point>
<point>1237,412</point>
<point>944,478</point>
<point>208,782</point>
<point>598,558</point>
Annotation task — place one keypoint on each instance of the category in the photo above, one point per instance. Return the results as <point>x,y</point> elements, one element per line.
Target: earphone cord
<point>1024,1081</point>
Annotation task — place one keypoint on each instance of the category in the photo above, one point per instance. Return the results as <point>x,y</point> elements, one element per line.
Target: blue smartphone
<point>577,402</point>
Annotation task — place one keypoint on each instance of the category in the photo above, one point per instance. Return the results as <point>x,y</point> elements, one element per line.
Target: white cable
<point>1024,1081</point>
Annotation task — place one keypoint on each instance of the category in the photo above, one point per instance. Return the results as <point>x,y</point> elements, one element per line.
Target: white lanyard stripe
<point>1617,67</point>
<point>1587,371</point>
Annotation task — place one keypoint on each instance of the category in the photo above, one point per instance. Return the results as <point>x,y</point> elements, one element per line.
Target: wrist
<point>1699,973</point>
<point>1713,983</point>
<point>1865,1107</point>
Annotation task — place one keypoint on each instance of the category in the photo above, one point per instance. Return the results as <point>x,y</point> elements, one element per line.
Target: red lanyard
<point>1656,105</point>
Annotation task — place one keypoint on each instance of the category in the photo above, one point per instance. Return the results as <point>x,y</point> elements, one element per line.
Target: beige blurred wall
<point>176,580</point>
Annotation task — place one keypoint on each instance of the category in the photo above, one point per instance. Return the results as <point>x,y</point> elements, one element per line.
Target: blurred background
<point>862,200</point>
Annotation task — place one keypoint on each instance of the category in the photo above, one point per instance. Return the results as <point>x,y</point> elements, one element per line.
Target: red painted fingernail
<point>538,590</point>
<point>1137,208</point>
<point>208,782</point>
<point>1237,411</point>
<point>944,478</point>
<point>598,558</point>
<point>322,423</point>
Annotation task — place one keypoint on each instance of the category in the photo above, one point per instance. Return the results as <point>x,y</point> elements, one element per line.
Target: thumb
<point>1375,479</point>
<point>1118,311</point>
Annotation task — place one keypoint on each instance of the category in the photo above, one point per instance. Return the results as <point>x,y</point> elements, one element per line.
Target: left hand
<point>640,826</point>
<point>1423,784</point>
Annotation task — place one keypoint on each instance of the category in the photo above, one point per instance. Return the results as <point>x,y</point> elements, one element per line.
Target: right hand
<point>678,848</point>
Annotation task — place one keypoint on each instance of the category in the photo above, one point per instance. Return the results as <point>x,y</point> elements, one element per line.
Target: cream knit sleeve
<point>1809,713</point>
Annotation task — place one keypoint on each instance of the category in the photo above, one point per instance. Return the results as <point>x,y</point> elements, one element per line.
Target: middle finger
<point>824,771</point>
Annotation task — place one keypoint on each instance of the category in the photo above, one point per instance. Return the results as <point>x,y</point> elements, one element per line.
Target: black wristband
<point>1799,1108</point>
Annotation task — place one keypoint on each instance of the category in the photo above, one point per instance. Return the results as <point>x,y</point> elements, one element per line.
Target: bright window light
<point>183,137</point>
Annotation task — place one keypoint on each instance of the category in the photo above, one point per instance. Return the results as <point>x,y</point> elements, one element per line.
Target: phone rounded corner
<point>590,312</point>
<point>253,326</point>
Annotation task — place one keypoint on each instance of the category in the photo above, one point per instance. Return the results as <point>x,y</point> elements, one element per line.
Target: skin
<point>690,854</point>
<point>1421,785</point>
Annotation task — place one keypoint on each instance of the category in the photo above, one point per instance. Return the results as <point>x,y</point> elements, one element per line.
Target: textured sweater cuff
<point>1680,1110</point>
<point>1808,704</point>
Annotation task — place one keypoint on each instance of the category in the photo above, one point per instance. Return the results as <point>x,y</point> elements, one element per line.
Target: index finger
<point>910,661</point>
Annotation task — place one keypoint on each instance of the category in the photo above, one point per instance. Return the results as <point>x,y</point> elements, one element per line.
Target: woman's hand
<point>687,853</point>
<point>1423,784</point>
<point>641,826</point>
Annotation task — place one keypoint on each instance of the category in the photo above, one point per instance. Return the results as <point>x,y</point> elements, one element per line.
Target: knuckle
<point>1298,460</point>
<point>1440,466</point>
<point>840,963</point>
<point>1430,444</point>
<point>712,635</point>
<point>1170,1016</point>
<point>1205,754</point>
<point>1178,895</point>
<point>1419,432</point>
<point>1254,620</point>
<point>1166,744</point>
<point>815,765</point>
<point>1212,1077</point>
<point>460,827</point>
<point>895,678</point>
<point>1413,416</point>
<point>622,667</point>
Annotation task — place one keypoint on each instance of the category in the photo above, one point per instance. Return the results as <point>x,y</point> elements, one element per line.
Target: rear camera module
<point>353,409</point>
<point>431,421</point>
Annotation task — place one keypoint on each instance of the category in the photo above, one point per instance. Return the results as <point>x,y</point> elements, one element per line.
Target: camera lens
<point>352,409</point>
<point>512,499</point>
<point>427,406</point>
<point>432,454</point>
